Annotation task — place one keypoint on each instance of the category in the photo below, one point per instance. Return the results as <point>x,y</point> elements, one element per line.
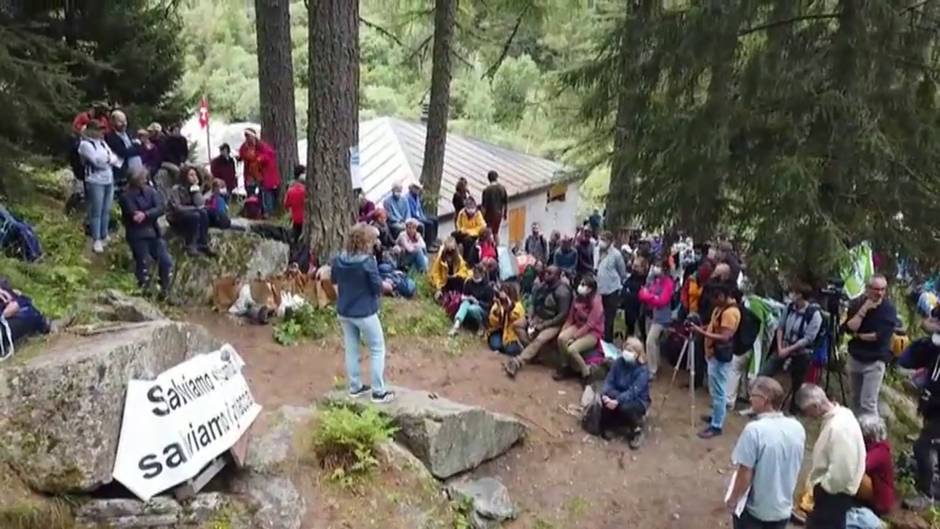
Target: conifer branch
<point>491,71</point>
<point>784,22</point>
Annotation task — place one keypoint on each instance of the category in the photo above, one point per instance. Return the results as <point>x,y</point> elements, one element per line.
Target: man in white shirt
<point>767,457</point>
<point>838,458</point>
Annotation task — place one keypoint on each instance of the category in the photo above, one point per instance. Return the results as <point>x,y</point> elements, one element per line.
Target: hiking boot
<point>709,432</point>
<point>511,367</point>
<point>383,398</point>
<point>636,440</point>
<point>192,251</point>
<point>359,392</point>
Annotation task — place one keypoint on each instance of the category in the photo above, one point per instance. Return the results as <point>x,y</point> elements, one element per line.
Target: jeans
<point>99,198</point>
<point>572,349</point>
<point>496,344</point>
<point>746,521</point>
<point>799,367</point>
<point>369,330</point>
<point>468,308</point>
<point>717,381</point>
<point>739,365</point>
<point>268,200</point>
<point>193,226</point>
<point>653,336</point>
<point>865,383</point>
<point>611,306</point>
<point>143,251</point>
<point>418,260</point>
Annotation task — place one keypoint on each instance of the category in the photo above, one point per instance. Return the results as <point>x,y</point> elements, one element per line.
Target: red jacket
<point>83,118</point>
<point>294,201</point>
<point>224,170</point>
<point>880,468</point>
<point>588,316</point>
<point>267,159</point>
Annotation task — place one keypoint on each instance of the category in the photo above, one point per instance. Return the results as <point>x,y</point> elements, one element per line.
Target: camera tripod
<point>832,362</point>
<point>688,353</point>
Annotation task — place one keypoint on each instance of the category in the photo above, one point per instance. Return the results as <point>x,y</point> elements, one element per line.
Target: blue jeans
<point>99,198</point>
<point>717,382</point>
<point>369,330</point>
<point>268,200</point>
<point>418,260</point>
<point>496,344</point>
<point>468,308</point>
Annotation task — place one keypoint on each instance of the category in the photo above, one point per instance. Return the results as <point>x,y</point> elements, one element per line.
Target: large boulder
<point>62,410</point>
<point>114,305</point>
<point>448,437</point>
<point>240,254</point>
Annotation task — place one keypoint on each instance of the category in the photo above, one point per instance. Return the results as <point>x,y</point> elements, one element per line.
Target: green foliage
<point>345,442</point>
<point>35,514</point>
<point>305,322</point>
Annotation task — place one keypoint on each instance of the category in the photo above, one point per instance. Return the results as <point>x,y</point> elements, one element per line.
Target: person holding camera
<point>802,323</point>
<point>871,323</point>
<point>719,350</point>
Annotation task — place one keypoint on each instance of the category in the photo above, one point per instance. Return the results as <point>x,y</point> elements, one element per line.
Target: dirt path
<point>560,477</point>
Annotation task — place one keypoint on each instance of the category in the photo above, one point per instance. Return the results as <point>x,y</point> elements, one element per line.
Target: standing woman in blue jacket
<point>356,276</point>
<point>625,398</point>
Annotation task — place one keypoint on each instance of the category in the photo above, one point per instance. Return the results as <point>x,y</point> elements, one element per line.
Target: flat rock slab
<point>272,452</point>
<point>489,497</point>
<point>62,410</point>
<point>160,511</point>
<point>448,437</point>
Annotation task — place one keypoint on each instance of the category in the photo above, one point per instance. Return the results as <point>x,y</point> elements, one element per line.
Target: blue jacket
<point>415,209</point>
<point>359,283</point>
<point>398,210</point>
<point>628,383</point>
<point>148,200</point>
<point>566,260</point>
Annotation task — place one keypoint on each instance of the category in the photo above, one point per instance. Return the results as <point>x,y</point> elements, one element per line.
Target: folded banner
<point>175,425</point>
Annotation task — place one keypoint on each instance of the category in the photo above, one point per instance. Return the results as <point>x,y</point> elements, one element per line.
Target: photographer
<point>871,323</point>
<point>925,354</point>
<point>801,325</point>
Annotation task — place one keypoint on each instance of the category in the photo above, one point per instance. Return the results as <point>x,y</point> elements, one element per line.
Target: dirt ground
<point>560,477</point>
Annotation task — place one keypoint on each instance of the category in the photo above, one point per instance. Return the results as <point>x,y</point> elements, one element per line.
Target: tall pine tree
<point>433,167</point>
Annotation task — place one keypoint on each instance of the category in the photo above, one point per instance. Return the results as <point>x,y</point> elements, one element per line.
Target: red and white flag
<point>203,113</point>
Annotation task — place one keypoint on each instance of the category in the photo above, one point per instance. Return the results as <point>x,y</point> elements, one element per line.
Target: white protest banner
<point>355,170</point>
<point>175,425</point>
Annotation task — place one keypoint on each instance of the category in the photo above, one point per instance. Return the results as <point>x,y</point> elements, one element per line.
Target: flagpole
<point>208,141</point>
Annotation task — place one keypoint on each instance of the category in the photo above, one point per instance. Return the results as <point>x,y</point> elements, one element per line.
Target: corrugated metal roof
<point>392,150</point>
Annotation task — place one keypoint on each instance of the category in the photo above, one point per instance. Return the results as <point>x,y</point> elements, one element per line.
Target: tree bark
<point>433,167</point>
<point>333,123</point>
<point>276,84</point>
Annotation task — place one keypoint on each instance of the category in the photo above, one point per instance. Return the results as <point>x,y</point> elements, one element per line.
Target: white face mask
<point>629,357</point>
<point>656,270</point>
<point>584,290</point>
<point>935,338</point>
<point>603,244</point>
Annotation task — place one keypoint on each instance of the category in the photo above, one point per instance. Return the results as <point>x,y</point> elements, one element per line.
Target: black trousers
<point>467,242</point>
<point>145,250</point>
<point>746,521</point>
<point>799,366</point>
<point>611,305</point>
<point>829,510</point>
<point>927,457</point>
<point>629,416</point>
<point>219,220</point>
<point>193,226</point>
<point>429,230</point>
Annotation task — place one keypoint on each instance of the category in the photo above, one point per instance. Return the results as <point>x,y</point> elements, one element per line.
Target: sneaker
<point>636,440</point>
<point>709,432</point>
<point>383,398</point>
<point>360,392</point>
<point>97,247</point>
<point>747,412</point>
<point>454,330</point>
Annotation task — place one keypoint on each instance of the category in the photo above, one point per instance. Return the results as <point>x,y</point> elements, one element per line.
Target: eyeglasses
<point>877,289</point>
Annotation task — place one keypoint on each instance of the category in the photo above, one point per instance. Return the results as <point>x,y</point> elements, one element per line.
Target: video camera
<point>832,295</point>
<point>690,320</point>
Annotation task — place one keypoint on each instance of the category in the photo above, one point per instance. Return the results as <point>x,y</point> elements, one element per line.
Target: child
<point>217,205</point>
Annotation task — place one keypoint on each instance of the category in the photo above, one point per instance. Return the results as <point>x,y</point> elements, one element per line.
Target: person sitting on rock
<point>380,222</point>
<point>19,319</point>
<point>413,250</point>
<point>142,206</point>
<point>506,321</point>
<point>470,226</point>
<point>477,298</point>
<point>551,302</point>
<point>877,489</point>
<point>485,248</point>
<point>217,205</point>
<point>187,213</point>
<point>449,270</point>
<point>625,397</point>
<point>580,337</point>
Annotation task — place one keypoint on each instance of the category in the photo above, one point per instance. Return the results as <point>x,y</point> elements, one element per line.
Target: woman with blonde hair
<point>356,276</point>
<point>625,398</point>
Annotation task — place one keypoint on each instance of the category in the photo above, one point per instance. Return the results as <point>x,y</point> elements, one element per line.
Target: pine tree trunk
<point>617,213</point>
<point>276,84</point>
<point>433,167</point>
<point>333,123</point>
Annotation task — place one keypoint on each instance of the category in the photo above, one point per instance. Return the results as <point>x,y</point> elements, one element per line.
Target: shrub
<point>305,322</point>
<point>345,441</point>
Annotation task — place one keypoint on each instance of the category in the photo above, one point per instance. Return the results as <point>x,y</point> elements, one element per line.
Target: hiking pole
<point>691,360</point>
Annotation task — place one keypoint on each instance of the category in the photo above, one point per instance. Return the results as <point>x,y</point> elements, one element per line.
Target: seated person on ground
<point>396,206</point>
<point>217,205</point>
<point>566,258</point>
<point>427,222</point>
<point>141,206</point>
<point>187,213</point>
<point>551,301</point>
<point>477,298</point>
<point>413,252</point>
<point>470,226</point>
<point>448,270</point>
<point>582,333</point>
<point>625,397</point>
<point>380,222</point>
<point>366,206</point>
<point>485,248</point>
<point>877,489</point>
<point>19,319</point>
<point>506,321</point>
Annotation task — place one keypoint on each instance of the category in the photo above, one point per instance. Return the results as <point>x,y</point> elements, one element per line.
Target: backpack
<point>744,337</point>
<point>811,311</point>
<point>18,237</point>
